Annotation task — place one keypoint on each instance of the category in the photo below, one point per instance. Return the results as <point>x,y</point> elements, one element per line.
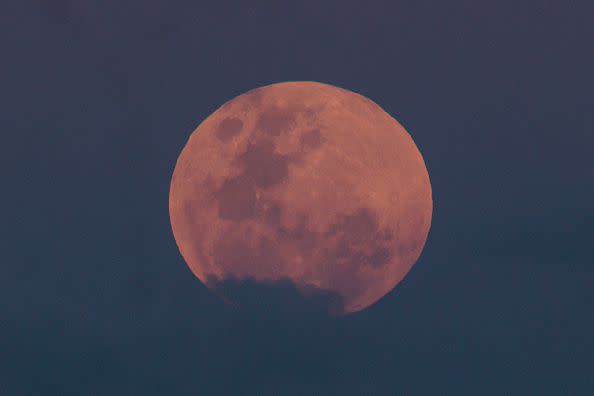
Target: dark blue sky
<point>98,99</point>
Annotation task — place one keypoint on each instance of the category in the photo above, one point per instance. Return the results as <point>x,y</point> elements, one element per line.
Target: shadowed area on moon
<point>228,128</point>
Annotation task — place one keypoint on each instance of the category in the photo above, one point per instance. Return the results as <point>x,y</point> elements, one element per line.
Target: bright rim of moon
<point>306,182</point>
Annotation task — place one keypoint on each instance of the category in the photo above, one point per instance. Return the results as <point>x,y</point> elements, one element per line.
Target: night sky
<point>99,98</point>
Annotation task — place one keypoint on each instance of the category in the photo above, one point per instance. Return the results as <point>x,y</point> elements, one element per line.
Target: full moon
<point>302,182</point>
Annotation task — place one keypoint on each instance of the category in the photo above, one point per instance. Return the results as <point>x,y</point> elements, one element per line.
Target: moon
<point>303,182</point>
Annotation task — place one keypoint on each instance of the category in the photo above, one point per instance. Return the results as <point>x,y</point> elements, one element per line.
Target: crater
<point>311,139</point>
<point>253,99</point>
<point>380,257</point>
<point>359,240</point>
<point>229,128</point>
<point>271,213</point>
<point>356,227</point>
<point>306,239</point>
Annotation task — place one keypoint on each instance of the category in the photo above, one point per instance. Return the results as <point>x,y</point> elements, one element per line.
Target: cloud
<point>278,298</point>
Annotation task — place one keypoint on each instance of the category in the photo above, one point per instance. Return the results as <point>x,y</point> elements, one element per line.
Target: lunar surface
<point>302,182</point>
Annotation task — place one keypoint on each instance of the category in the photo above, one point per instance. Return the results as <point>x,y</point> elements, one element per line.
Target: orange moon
<point>305,182</point>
